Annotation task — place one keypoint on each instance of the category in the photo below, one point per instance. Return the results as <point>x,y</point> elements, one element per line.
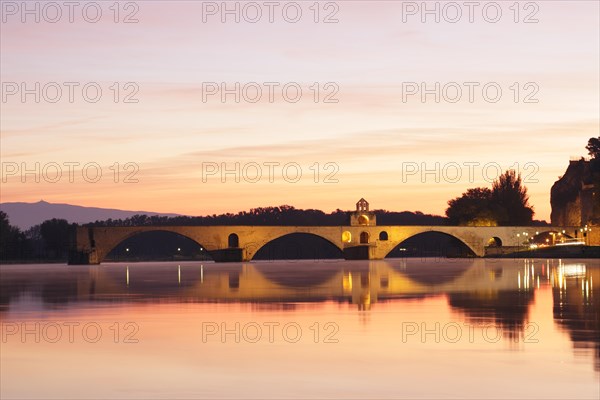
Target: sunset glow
<point>366,143</point>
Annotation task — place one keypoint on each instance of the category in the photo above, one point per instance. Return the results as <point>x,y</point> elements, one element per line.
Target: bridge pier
<point>361,252</point>
<point>228,255</point>
<point>82,257</point>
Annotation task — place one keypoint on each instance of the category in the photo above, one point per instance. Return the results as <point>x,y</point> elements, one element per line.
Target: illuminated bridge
<point>361,239</point>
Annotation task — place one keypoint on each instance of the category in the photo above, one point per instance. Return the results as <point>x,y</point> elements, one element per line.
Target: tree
<point>12,241</point>
<point>56,234</point>
<point>36,245</point>
<point>593,147</point>
<point>507,203</point>
<point>472,208</point>
<point>511,201</point>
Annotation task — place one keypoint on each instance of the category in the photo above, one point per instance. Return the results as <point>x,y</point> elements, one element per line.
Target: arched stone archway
<point>104,251</point>
<point>494,242</point>
<point>290,246</point>
<point>233,241</point>
<point>364,237</point>
<point>451,245</point>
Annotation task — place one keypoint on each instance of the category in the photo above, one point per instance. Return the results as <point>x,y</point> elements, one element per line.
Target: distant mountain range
<point>26,215</point>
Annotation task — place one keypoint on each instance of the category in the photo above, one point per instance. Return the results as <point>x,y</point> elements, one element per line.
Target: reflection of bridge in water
<point>361,239</point>
<point>360,282</point>
<point>485,291</point>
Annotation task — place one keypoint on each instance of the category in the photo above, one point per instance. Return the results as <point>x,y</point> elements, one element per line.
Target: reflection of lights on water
<point>572,270</point>
<point>586,285</point>
<point>528,275</point>
<point>201,273</point>
<point>127,275</point>
<point>179,274</point>
<point>365,302</point>
<point>560,279</point>
<point>347,282</point>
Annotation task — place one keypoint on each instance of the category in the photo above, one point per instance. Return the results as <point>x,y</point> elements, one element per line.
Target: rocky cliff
<point>573,196</point>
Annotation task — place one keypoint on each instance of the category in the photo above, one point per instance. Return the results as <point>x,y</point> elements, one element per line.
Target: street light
<point>585,231</point>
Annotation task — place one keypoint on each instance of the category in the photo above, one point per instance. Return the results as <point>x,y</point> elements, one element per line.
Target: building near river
<point>575,200</point>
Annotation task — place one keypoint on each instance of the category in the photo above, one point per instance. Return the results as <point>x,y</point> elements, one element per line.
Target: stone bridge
<point>241,243</point>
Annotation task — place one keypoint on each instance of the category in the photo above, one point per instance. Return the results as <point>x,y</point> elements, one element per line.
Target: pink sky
<point>369,135</point>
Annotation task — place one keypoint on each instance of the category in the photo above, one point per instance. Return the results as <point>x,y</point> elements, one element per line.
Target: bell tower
<point>362,216</point>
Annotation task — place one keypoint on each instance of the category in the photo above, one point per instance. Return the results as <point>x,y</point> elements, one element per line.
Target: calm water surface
<point>302,329</point>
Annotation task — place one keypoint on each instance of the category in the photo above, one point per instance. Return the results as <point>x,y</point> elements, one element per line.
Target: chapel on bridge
<point>362,216</point>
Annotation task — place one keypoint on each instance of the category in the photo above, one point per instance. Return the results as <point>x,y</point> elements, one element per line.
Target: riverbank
<point>553,252</point>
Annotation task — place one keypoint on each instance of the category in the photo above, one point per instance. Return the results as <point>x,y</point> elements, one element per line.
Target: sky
<point>208,107</point>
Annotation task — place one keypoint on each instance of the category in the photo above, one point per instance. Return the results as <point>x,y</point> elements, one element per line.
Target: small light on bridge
<point>127,249</point>
<point>201,248</point>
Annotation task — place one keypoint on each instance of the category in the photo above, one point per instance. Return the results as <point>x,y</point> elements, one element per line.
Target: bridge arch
<point>457,239</point>
<point>494,241</point>
<point>289,250</point>
<point>108,246</point>
<point>551,236</point>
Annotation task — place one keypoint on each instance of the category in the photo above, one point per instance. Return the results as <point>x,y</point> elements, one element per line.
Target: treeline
<point>283,215</point>
<point>48,241</point>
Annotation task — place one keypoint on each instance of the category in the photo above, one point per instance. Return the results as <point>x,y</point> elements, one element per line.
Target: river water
<point>396,328</point>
